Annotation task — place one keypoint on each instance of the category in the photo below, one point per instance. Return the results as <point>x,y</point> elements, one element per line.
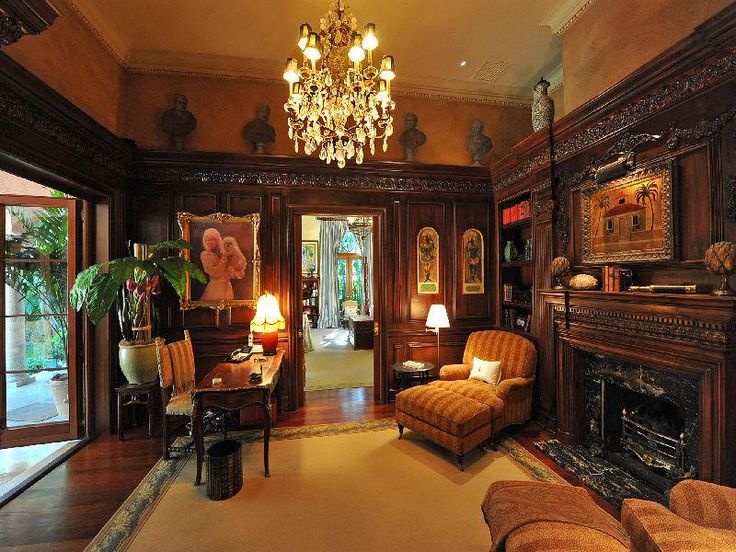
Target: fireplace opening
<point>642,421</point>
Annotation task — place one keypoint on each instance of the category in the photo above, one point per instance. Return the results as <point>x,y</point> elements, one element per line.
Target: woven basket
<point>224,470</point>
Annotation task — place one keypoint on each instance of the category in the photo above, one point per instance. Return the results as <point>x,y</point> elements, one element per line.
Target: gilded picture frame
<point>226,248</point>
<point>473,251</point>
<point>629,219</point>
<point>428,261</point>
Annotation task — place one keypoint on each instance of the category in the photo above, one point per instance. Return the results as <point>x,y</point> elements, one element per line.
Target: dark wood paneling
<point>693,196</point>
<point>465,216</point>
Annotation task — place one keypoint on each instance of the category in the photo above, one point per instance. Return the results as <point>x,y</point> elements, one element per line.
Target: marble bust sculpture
<point>412,138</point>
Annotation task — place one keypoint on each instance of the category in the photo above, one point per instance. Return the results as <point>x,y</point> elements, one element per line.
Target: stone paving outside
<point>36,392</point>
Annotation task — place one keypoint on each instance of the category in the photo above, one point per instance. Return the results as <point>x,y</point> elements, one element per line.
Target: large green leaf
<point>123,268</point>
<point>102,292</point>
<point>80,289</point>
<point>175,271</point>
<point>169,244</point>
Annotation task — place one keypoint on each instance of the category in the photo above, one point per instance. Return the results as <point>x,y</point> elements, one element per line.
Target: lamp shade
<point>437,317</point>
<point>268,315</point>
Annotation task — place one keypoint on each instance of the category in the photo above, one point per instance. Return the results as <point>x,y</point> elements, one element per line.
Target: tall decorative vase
<point>543,108</point>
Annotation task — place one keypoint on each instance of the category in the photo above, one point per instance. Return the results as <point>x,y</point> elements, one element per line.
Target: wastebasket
<point>224,470</point>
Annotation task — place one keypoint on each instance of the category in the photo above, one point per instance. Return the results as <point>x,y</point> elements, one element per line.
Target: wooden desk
<point>235,392</point>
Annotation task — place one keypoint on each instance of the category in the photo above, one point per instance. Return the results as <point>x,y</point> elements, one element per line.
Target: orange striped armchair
<point>518,356</point>
<point>702,516</point>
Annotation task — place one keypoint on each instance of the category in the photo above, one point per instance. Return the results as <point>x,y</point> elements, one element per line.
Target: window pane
<point>36,364</point>
<point>342,276</point>
<point>36,232</point>
<point>35,287</point>
<point>357,274</point>
<point>349,244</point>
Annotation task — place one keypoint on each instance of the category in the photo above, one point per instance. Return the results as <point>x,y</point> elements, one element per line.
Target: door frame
<point>294,239</point>
<point>54,431</point>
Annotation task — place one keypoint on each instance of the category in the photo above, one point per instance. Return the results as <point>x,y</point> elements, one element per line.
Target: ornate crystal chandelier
<point>339,105</point>
<point>360,226</point>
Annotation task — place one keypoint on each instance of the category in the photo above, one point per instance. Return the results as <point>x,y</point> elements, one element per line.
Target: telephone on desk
<point>244,353</point>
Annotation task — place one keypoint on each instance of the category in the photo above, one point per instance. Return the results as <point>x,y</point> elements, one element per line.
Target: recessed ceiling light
<point>463,62</point>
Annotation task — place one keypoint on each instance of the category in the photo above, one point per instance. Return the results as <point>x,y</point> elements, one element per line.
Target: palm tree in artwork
<point>647,191</point>
<point>603,204</point>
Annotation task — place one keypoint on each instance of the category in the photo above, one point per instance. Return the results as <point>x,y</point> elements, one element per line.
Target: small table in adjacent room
<point>361,331</point>
<point>408,376</point>
<point>143,394</point>
<point>234,392</point>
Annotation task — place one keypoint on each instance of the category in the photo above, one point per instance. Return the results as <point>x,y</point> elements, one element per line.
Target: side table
<point>137,393</point>
<point>407,376</point>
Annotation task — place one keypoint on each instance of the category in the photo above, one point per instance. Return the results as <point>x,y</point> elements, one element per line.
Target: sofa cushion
<point>479,391</point>
<point>444,409</point>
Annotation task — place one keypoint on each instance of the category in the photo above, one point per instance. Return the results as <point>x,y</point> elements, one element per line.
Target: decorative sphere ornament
<point>720,259</point>
<point>583,282</point>
<point>560,267</point>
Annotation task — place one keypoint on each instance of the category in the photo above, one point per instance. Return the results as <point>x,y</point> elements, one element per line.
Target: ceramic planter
<point>138,361</point>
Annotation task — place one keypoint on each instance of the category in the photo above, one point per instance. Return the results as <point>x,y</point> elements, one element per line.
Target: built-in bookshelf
<point>310,299</point>
<point>516,256</point>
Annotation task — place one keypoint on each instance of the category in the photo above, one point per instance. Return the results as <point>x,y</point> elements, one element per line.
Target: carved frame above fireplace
<point>687,335</point>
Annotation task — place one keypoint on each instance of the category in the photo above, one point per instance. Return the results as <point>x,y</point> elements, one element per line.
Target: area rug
<point>33,413</point>
<point>334,364</point>
<point>606,478</point>
<point>352,486</point>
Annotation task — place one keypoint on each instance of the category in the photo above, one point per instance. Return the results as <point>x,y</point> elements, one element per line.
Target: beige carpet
<point>349,487</point>
<point>334,364</point>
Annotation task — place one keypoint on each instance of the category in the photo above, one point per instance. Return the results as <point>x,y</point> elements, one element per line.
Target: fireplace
<point>642,419</point>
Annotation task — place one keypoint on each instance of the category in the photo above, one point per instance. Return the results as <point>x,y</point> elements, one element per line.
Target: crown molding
<point>103,34</point>
<point>565,15</point>
<point>555,77</point>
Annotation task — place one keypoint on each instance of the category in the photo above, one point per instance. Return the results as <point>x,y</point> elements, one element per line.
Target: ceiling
<point>509,44</point>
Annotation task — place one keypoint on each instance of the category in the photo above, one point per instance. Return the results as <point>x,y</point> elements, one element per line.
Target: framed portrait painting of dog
<point>225,247</point>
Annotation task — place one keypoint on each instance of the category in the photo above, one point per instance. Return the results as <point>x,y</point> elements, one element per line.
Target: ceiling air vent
<point>490,71</point>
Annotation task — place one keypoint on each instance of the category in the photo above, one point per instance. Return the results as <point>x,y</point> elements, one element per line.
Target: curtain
<point>330,236</point>
<point>367,247</point>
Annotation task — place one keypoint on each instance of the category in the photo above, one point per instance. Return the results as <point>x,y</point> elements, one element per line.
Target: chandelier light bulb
<point>296,91</point>
<point>382,94</point>
<point>290,72</point>
<point>304,32</point>
<point>311,50</point>
<point>370,42</point>
<point>356,53</point>
<point>387,68</point>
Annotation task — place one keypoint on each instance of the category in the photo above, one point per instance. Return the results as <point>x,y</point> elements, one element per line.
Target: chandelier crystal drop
<point>339,101</point>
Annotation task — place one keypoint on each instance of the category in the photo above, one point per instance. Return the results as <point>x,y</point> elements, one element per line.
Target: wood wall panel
<point>694,187</point>
<point>419,215</point>
<point>478,216</point>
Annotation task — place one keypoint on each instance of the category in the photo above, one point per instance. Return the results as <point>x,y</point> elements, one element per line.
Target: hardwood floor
<point>65,510</point>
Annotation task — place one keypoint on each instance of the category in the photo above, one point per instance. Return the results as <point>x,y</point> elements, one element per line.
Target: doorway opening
<point>338,302</point>
<point>39,393</point>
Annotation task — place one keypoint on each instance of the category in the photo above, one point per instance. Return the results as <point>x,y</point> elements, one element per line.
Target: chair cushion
<point>479,391</point>
<point>176,364</point>
<point>448,411</point>
<point>180,405</point>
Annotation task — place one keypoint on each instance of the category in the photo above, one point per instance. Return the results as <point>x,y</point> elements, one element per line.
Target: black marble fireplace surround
<point>673,357</point>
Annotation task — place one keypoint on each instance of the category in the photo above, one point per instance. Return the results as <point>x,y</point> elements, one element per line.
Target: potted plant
<point>133,281</point>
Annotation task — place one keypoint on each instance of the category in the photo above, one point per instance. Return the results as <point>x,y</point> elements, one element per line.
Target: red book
<point>514,213</point>
<point>604,277</point>
<point>506,215</point>
<point>616,278</point>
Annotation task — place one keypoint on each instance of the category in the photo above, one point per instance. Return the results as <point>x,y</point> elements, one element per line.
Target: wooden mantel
<point>690,335</point>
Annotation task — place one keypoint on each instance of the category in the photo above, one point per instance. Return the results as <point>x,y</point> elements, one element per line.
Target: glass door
<point>38,355</point>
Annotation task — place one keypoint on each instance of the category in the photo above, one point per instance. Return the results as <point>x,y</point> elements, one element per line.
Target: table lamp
<point>436,319</point>
<point>268,321</point>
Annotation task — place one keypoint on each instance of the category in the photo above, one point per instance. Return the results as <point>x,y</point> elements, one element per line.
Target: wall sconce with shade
<point>436,319</point>
<point>268,321</point>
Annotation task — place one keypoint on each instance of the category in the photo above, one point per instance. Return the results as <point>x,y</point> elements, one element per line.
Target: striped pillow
<point>182,364</point>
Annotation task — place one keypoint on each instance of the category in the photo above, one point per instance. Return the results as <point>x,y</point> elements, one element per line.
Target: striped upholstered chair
<point>702,516</point>
<point>459,413</point>
<point>176,375</point>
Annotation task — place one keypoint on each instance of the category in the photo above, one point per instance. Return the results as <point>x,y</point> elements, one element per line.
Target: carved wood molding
<point>665,96</point>
<point>702,129</point>
<point>287,179</point>
<point>650,325</point>
<point>25,114</point>
<point>22,17</point>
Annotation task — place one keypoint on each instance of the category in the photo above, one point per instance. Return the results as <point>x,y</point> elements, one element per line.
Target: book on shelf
<point>524,210</point>
<point>615,279</point>
<point>506,214</point>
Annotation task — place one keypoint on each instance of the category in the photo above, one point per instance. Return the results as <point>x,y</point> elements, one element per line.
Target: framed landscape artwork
<point>629,219</point>
<point>473,277</point>
<point>428,261</point>
<point>310,258</point>
<point>226,248</point>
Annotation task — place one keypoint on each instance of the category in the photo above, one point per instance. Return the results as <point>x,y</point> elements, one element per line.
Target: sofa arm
<point>704,503</point>
<point>454,372</point>
<point>651,526</point>
<point>512,386</point>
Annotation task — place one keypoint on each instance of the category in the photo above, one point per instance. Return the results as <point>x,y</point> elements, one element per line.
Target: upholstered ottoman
<point>451,420</point>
